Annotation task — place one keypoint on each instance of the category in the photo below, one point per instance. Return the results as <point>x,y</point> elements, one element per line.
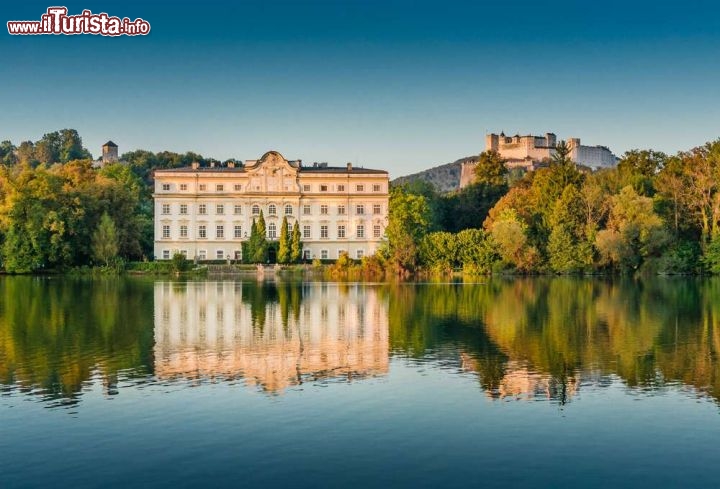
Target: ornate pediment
<point>271,173</point>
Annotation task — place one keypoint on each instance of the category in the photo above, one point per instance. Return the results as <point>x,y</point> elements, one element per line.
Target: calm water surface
<point>523,383</point>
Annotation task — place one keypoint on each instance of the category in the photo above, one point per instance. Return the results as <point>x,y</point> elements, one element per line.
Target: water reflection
<point>545,337</point>
<point>539,339</point>
<point>57,335</point>
<point>271,335</point>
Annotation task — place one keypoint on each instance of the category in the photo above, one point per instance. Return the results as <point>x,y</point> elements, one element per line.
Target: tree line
<point>651,213</point>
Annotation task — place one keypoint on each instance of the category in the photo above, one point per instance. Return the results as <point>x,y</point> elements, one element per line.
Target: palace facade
<point>206,213</point>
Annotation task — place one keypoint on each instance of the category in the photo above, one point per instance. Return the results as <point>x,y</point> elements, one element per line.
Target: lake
<point>539,382</point>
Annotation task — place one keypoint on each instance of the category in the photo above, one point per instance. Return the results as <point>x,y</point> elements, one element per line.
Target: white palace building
<point>206,213</point>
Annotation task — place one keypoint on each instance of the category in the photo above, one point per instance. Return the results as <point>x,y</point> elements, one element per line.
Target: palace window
<point>202,255</point>
<point>323,188</point>
<point>166,208</point>
<point>306,210</point>
<point>359,209</point>
<point>219,187</point>
<point>360,231</point>
<point>359,254</point>
<point>256,210</point>
<point>166,254</point>
<point>359,188</point>
<point>272,231</point>
<point>183,231</point>
<point>306,188</point>
<point>377,209</point>
<point>323,209</point>
<point>183,209</point>
<point>341,231</point>
<point>238,209</point>
<point>288,210</point>
<point>323,232</point>
<point>220,209</point>
<point>307,254</point>
<point>202,231</point>
<point>203,187</point>
<point>219,254</point>
<point>183,187</point>
<point>202,209</point>
<point>341,210</point>
<point>237,231</point>
<point>340,252</point>
<point>166,231</point>
<point>219,231</point>
<point>377,231</point>
<point>237,187</point>
<point>341,188</point>
<point>272,209</point>
<point>324,254</point>
<point>306,232</point>
<point>166,187</point>
<point>377,188</point>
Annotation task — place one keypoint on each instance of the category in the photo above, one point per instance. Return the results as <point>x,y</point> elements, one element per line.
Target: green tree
<point>285,246</point>
<point>295,244</point>
<point>634,231</point>
<point>408,221</point>
<point>105,240</point>
<point>568,249</point>
<point>260,244</point>
<point>476,251</point>
<point>491,170</point>
<point>7,153</point>
<point>180,263</point>
<point>438,251</point>
<point>638,169</point>
<point>251,246</point>
<point>509,232</point>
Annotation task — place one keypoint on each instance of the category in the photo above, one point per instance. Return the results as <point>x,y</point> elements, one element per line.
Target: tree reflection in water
<point>534,338</point>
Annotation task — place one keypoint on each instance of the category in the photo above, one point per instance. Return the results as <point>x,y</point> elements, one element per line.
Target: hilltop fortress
<point>531,152</point>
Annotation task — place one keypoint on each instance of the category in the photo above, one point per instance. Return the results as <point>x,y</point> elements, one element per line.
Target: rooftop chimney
<point>231,164</point>
<point>349,166</point>
<point>195,165</point>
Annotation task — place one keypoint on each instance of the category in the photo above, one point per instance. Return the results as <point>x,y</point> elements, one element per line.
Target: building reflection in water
<point>273,336</point>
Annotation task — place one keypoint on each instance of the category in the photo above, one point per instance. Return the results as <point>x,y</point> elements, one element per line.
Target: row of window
<point>272,209</point>
<point>220,254</point>
<point>272,231</point>
<point>220,187</point>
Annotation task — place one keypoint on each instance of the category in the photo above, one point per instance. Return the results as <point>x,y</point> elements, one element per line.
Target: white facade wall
<point>326,203</point>
<point>593,156</point>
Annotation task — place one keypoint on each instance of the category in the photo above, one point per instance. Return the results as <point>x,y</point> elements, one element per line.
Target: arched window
<point>272,209</point>
<point>256,210</point>
<point>272,231</point>
<point>288,209</point>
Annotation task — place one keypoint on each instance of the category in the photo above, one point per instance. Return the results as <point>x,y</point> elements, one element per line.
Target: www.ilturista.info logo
<point>57,21</point>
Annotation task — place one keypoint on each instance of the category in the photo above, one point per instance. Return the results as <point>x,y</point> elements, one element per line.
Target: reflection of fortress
<point>215,329</point>
<point>519,382</point>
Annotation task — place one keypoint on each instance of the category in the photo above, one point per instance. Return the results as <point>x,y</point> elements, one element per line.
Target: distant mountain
<point>445,178</point>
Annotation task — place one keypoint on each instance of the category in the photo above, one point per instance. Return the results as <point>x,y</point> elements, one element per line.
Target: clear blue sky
<point>390,84</point>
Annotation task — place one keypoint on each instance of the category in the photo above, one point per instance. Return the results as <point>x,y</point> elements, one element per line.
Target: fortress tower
<point>109,152</point>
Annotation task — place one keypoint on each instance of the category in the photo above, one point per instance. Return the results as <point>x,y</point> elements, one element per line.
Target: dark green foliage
<point>284,246</point>
<point>180,263</point>
<point>295,244</point>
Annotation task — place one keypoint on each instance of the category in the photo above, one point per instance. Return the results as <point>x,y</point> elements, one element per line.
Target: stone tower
<point>109,152</point>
